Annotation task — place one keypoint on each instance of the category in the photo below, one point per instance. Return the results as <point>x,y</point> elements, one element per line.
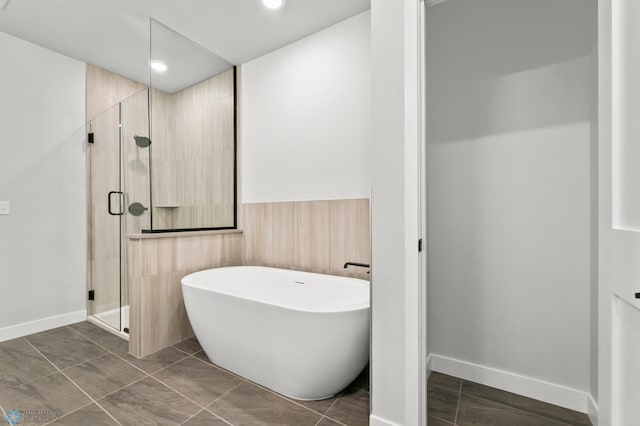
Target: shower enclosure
<point>119,157</point>
<point>161,160</point>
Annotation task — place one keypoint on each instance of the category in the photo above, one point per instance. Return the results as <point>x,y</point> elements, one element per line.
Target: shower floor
<point>108,319</point>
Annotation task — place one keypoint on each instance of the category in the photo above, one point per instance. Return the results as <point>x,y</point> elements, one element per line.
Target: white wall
<point>509,130</point>
<point>606,75</point>
<point>42,174</point>
<point>306,118</point>
<point>396,393</point>
<point>593,381</point>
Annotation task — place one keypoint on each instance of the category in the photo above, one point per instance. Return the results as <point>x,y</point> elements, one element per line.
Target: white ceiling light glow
<point>273,4</point>
<point>158,66</point>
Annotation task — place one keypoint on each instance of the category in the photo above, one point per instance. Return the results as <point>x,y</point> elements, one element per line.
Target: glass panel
<point>193,132</point>
<point>105,227</point>
<point>135,179</point>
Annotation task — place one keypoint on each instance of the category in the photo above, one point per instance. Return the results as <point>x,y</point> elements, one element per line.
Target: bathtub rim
<point>359,306</point>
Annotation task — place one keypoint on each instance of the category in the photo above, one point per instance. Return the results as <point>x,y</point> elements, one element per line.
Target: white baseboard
<point>26,328</point>
<point>552,393</point>
<point>592,411</point>
<point>379,421</point>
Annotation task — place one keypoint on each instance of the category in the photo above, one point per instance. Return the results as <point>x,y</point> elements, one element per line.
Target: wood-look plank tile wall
<point>105,89</point>
<point>193,155</point>
<point>156,267</point>
<point>313,236</point>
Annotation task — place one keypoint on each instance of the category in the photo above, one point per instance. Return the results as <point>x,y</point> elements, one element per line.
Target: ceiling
<point>114,34</point>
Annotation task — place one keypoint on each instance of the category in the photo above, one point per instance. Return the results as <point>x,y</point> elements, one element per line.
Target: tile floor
<point>82,375</point>
<point>453,401</point>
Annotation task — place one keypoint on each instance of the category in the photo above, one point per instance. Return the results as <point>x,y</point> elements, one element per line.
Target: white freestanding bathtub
<point>303,335</point>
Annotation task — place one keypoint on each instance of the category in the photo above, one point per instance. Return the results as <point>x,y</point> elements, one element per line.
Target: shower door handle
<point>121,196</point>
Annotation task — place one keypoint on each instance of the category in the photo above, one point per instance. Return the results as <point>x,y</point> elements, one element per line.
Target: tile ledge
<point>181,234</point>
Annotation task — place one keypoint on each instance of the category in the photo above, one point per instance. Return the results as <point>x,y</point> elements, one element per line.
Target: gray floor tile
<point>103,375</point>
<point>29,382</point>
<point>320,406</point>
<point>351,408</point>
<point>44,399</point>
<point>474,411</point>
<point>84,327</point>
<point>527,404</point>
<point>326,421</point>
<point>248,404</point>
<point>14,347</point>
<point>109,341</point>
<point>442,402</point>
<point>190,346</point>
<point>205,418</point>
<point>156,361</point>
<point>89,415</point>
<point>64,347</point>
<point>102,337</point>
<point>434,421</point>
<point>148,402</point>
<point>444,381</point>
<point>199,381</point>
<point>203,356</point>
<point>21,363</point>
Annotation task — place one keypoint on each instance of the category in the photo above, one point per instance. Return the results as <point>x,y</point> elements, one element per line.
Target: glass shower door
<point>106,207</point>
<point>120,196</point>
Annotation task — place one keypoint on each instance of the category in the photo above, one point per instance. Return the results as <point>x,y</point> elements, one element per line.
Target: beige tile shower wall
<point>193,153</point>
<point>135,160</point>
<point>156,267</point>
<point>167,181</point>
<point>314,236</point>
<point>105,89</point>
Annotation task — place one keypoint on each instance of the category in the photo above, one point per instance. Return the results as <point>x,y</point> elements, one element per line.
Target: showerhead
<point>142,141</point>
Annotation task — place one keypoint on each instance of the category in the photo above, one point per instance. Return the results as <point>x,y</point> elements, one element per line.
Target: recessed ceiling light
<point>158,66</point>
<point>273,4</point>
